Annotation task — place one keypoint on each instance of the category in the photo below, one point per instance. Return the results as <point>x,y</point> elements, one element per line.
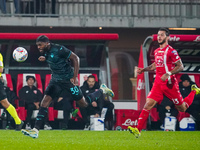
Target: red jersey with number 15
<point>165,59</point>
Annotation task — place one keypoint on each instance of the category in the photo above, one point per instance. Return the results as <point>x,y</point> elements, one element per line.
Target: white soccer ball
<point>20,54</point>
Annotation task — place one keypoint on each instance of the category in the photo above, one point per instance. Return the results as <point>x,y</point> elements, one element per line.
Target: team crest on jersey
<point>159,61</point>
<point>35,91</point>
<point>175,52</point>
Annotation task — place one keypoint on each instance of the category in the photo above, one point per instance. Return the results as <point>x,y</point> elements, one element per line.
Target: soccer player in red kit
<point>167,64</point>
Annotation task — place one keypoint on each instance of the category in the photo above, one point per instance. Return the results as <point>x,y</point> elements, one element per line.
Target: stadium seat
<point>8,82</point>
<point>21,81</point>
<point>50,109</point>
<point>83,77</point>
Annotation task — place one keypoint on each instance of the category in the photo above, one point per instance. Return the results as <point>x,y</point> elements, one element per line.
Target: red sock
<point>142,118</point>
<point>189,99</point>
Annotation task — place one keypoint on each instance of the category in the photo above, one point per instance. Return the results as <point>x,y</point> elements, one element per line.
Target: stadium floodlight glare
<point>182,29</point>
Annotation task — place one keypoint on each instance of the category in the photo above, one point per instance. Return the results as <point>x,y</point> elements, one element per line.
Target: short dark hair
<point>42,38</point>
<point>185,77</point>
<point>28,77</point>
<point>91,76</point>
<point>166,31</point>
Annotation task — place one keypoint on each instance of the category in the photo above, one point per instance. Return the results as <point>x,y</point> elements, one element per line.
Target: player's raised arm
<point>149,68</point>
<point>75,60</point>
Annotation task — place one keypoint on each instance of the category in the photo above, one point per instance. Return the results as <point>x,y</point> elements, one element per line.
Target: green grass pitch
<point>94,140</point>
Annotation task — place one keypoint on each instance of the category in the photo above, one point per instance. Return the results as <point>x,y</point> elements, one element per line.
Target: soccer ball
<point>20,54</point>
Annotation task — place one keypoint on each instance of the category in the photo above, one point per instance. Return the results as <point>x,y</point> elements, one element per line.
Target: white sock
<point>103,90</point>
<point>36,130</point>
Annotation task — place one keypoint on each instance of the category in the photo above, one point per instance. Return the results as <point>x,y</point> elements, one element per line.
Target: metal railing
<point>102,8</point>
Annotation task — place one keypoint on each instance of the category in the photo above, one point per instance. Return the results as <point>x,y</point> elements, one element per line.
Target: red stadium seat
<point>47,80</point>
<point>83,77</point>
<point>50,109</point>
<point>8,82</point>
<point>21,81</point>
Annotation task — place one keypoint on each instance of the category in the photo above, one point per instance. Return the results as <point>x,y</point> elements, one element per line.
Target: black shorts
<point>55,88</point>
<point>2,91</point>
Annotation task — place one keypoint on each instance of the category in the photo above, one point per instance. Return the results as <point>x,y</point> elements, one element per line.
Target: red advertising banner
<point>125,118</point>
<point>141,95</point>
<point>177,37</point>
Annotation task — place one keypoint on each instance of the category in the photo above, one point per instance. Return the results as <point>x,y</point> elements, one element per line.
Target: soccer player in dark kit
<point>64,79</point>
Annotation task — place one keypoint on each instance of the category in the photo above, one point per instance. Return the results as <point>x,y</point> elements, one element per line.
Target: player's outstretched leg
<point>195,88</point>
<point>134,131</point>
<point>106,90</point>
<point>38,123</point>
<point>32,133</point>
<point>12,111</point>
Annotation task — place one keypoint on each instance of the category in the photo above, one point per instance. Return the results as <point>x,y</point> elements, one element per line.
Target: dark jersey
<point>29,95</point>
<point>86,90</point>
<point>58,59</point>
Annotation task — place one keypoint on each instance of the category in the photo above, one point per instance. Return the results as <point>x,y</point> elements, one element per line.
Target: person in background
<point>185,85</point>
<point>91,86</point>
<point>17,6</point>
<point>31,97</point>
<point>3,6</point>
<point>185,89</point>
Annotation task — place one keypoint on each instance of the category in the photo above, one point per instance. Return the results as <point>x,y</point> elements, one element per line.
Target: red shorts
<point>161,88</point>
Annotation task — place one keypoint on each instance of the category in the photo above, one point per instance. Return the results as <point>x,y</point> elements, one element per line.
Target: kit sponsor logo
<point>197,39</point>
<point>174,38</point>
<point>129,122</point>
